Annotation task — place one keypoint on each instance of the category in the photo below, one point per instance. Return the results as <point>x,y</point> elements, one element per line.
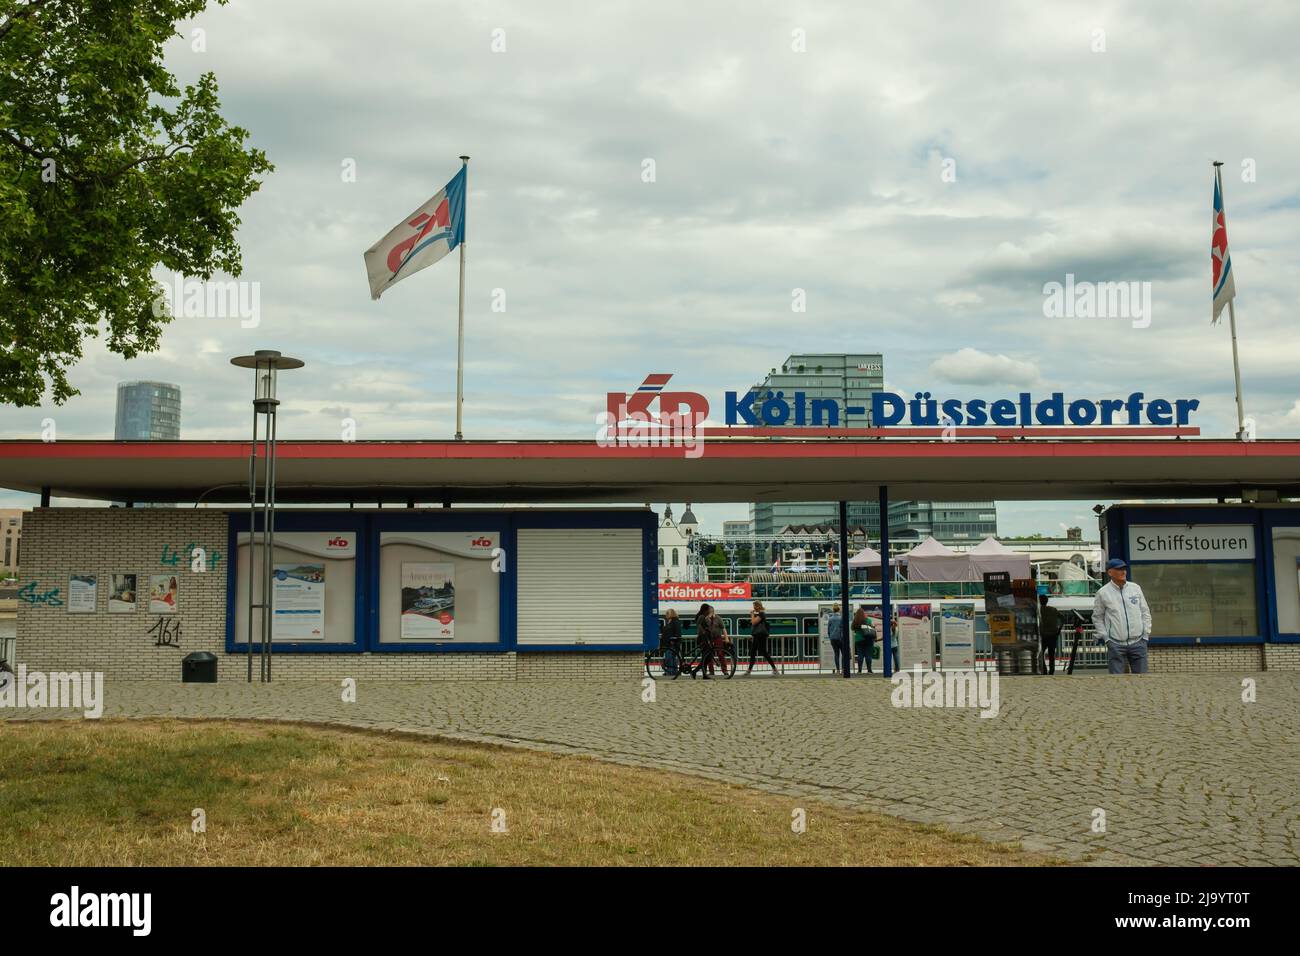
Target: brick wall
<point>103,541</point>
<point>1282,657</point>
<point>1181,659</point>
<point>583,666</point>
<point>60,541</point>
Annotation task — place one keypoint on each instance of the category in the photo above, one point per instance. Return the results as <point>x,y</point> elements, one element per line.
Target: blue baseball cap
<point>1115,563</point>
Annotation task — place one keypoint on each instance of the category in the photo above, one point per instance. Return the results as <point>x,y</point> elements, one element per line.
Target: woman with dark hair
<point>705,623</point>
<point>864,637</point>
<point>759,632</point>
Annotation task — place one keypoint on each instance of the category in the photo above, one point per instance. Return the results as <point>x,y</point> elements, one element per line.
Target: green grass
<point>92,793</point>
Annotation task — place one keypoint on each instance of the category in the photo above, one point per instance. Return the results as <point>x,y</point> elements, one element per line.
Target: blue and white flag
<point>421,239</point>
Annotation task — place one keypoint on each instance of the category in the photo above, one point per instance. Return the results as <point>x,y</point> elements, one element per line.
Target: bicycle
<point>691,659</point>
<point>697,661</point>
<point>7,645</point>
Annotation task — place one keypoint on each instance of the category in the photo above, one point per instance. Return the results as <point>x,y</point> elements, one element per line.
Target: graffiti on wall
<point>173,557</point>
<point>29,594</point>
<point>168,632</point>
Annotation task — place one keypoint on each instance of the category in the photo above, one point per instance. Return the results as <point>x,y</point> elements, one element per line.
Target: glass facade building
<point>148,411</point>
<point>851,379</point>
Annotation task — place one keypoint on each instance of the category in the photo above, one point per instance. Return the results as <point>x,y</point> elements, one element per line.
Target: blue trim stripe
<point>1223,279</point>
<point>415,251</point>
<point>369,527</point>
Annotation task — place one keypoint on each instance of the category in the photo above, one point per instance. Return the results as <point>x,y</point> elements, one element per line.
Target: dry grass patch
<point>96,793</point>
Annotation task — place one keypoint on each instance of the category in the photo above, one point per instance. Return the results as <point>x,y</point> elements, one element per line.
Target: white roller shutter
<point>580,586</point>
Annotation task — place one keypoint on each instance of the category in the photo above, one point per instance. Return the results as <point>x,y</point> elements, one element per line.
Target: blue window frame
<point>368,526</point>
<point>1274,518</point>
<point>1120,518</point>
<point>488,521</point>
<point>288,521</point>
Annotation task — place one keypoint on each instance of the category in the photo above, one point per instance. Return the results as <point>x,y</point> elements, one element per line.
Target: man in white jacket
<point>1121,617</point>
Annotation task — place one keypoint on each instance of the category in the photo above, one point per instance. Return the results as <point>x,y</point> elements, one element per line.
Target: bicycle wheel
<point>648,672</point>
<point>686,664</point>
<point>727,661</point>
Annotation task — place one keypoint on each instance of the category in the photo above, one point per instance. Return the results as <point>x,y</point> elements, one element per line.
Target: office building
<point>850,380</point>
<point>148,411</point>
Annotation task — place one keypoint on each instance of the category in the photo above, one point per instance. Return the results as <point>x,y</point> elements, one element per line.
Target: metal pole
<point>252,523</point>
<point>1236,370</point>
<point>270,534</point>
<point>266,547</point>
<point>460,325</point>
<point>885,572</point>
<point>1232,314</point>
<point>849,649</point>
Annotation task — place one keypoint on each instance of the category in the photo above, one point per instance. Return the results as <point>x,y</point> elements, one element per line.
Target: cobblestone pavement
<point>1184,770</point>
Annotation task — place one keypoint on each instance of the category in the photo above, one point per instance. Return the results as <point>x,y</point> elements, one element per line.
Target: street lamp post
<point>265,363</point>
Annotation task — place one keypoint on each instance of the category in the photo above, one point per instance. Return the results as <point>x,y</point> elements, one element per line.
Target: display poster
<point>313,585</point>
<point>915,637</point>
<point>957,637</point>
<point>162,593</point>
<point>1002,628</point>
<point>440,587</point>
<point>298,593</point>
<point>83,592</point>
<point>121,593</point>
<point>428,601</point>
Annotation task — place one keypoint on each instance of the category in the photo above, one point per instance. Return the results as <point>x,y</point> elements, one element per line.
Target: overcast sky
<point>775,169</point>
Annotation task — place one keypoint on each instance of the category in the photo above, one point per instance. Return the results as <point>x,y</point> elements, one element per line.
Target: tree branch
<point>21,14</point>
<point>167,153</point>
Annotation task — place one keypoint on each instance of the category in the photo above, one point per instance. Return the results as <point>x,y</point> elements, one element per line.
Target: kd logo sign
<point>636,407</point>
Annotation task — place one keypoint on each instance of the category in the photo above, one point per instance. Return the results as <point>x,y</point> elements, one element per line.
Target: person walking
<point>670,641</point>
<point>835,631</point>
<point>864,638</point>
<point>721,644</point>
<point>893,639</point>
<point>759,632</point>
<point>704,622</point>
<point>1049,631</point>
<point>1122,618</point>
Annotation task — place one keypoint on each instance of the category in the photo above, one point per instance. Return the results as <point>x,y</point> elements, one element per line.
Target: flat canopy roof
<point>820,469</point>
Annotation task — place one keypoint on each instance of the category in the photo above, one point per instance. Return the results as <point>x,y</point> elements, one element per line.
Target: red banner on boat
<point>703,591</point>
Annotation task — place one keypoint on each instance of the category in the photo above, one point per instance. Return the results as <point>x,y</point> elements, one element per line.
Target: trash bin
<point>199,668</point>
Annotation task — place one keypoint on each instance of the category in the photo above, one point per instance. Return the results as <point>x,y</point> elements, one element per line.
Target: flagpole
<point>1232,314</point>
<point>460,325</point>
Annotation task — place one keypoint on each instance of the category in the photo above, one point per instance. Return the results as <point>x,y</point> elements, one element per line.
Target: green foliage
<point>107,171</point>
<point>716,564</point>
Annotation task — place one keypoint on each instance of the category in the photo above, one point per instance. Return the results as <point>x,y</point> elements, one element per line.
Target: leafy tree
<point>716,563</point>
<point>107,170</point>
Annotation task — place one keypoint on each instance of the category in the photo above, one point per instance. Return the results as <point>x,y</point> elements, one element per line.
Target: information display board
<point>440,587</point>
<point>957,637</point>
<point>313,586</point>
<point>299,601</point>
<point>915,637</point>
<point>83,593</point>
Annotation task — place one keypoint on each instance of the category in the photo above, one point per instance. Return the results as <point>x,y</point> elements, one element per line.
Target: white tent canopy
<point>867,558</point>
<point>932,561</point>
<point>992,555</point>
